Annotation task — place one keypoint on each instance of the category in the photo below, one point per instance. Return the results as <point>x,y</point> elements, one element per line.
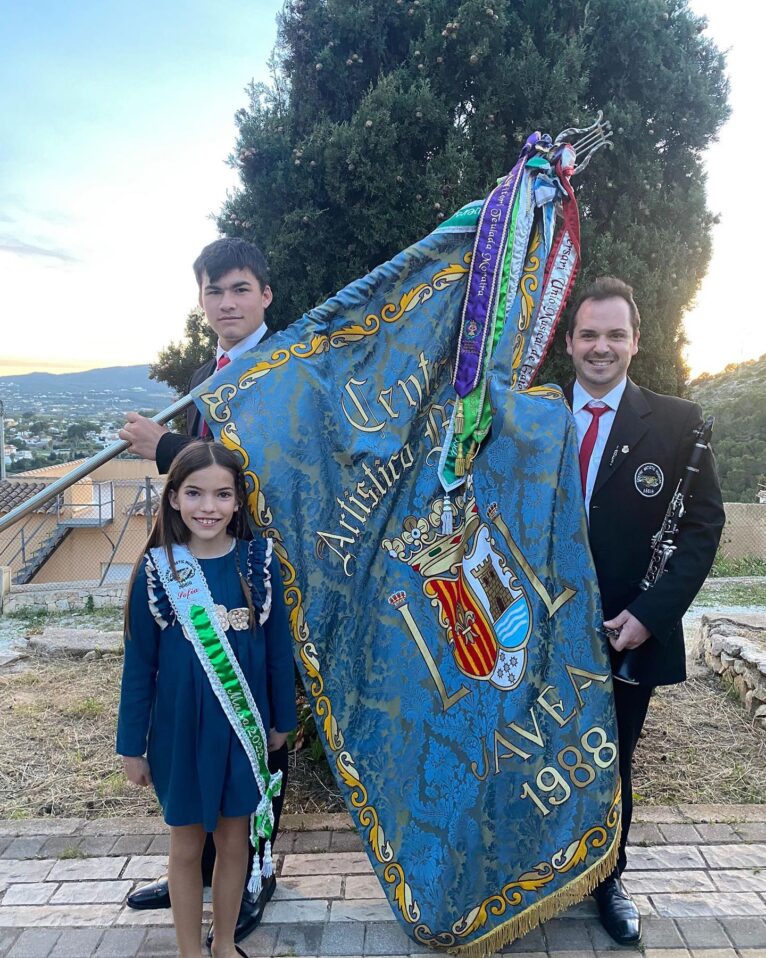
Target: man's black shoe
<point>618,912</point>
<point>155,895</point>
<point>250,912</point>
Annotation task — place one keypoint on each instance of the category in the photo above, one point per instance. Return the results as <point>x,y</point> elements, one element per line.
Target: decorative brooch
<point>238,619</point>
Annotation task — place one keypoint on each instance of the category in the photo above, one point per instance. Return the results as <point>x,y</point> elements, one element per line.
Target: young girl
<point>207,686</point>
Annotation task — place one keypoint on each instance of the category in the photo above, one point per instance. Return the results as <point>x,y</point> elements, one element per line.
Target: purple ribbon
<point>484,275</point>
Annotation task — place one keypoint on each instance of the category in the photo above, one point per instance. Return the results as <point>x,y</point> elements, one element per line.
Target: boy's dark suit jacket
<point>654,432</point>
<point>171,443</point>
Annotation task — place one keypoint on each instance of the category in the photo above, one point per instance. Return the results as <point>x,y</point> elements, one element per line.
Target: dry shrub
<point>57,725</point>
<point>57,755</point>
<point>699,746</point>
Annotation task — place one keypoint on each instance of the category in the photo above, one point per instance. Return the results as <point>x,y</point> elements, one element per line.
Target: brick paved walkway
<point>698,874</point>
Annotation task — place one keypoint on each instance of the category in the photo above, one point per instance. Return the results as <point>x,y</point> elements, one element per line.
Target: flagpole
<point>85,468</point>
<point>592,139</point>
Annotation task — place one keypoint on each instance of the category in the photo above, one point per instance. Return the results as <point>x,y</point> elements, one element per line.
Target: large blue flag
<point>449,643</point>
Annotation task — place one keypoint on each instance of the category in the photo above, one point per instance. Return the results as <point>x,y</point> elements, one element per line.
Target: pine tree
<point>384,116</point>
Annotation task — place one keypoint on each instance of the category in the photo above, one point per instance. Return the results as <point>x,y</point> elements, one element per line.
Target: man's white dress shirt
<point>583,419</point>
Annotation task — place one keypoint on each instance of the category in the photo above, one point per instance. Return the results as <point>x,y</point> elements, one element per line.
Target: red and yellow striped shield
<point>469,629</point>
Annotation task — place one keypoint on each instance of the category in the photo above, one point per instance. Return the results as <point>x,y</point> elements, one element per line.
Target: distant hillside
<point>737,399</point>
<point>111,378</point>
<point>113,389</point>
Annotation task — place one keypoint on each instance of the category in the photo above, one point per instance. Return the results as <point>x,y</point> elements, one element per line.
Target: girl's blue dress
<point>168,710</point>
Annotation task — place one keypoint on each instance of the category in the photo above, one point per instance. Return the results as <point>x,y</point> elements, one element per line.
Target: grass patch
<point>28,678</point>
<point>71,852</point>
<point>58,742</point>
<point>32,620</point>
<point>112,786</point>
<point>58,748</point>
<point>747,565</point>
<point>729,594</point>
<point>86,708</point>
<point>37,619</point>
<point>57,726</point>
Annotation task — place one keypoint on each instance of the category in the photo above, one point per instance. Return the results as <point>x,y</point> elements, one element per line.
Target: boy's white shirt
<point>243,345</point>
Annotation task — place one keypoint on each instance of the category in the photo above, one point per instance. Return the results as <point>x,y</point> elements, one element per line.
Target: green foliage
<point>747,565</point>
<point>71,852</point>
<point>737,399</point>
<point>305,736</point>
<point>88,707</point>
<point>79,430</point>
<point>177,362</point>
<point>384,116</point>
<point>34,618</point>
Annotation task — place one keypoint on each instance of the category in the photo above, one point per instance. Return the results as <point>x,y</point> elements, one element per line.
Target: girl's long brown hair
<point>168,528</point>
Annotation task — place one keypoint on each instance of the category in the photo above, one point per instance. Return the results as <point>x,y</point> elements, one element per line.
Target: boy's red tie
<point>223,360</point>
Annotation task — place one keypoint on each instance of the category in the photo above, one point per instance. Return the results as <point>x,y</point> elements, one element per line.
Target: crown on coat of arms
<point>425,548</point>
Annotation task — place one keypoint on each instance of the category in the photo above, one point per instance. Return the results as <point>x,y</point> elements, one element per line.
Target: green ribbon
<point>477,412</point>
<point>211,644</point>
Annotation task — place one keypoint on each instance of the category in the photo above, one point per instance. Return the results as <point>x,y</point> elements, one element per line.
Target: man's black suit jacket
<point>171,443</point>
<point>649,445</point>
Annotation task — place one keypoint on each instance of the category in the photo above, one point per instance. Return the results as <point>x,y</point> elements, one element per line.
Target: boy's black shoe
<point>155,895</point>
<point>250,912</point>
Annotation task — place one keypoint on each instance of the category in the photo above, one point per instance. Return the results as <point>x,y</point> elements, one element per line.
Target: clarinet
<point>664,540</point>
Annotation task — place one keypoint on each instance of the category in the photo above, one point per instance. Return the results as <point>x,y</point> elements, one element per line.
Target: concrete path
<point>697,872</point>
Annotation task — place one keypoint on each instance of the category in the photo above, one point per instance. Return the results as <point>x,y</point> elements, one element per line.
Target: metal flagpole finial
<point>585,141</point>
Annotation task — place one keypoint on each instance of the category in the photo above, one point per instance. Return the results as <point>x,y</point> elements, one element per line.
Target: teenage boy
<point>233,280</point>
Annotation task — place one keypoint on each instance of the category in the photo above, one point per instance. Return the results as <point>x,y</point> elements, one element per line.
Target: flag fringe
<point>536,914</point>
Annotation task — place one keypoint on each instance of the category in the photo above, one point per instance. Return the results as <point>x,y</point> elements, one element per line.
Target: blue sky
<point>115,123</point>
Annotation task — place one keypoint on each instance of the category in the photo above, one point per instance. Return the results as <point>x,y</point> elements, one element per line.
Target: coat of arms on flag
<point>425,502</point>
<point>482,605</point>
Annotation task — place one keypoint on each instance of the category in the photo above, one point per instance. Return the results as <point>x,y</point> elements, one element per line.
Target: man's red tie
<point>223,360</point>
<point>589,440</point>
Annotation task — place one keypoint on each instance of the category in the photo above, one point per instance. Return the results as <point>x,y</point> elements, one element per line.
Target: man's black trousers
<point>631,703</point>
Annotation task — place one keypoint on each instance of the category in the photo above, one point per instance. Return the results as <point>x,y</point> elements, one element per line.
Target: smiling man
<point>233,280</point>
<point>634,445</point>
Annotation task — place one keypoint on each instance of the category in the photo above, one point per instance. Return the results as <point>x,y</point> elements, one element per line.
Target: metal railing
<point>111,521</point>
<point>97,510</point>
<point>26,541</point>
<point>32,563</point>
<point>34,503</point>
<point>149,492</point>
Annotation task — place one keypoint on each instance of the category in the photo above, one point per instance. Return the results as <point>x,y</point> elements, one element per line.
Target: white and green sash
<point>195,610</point>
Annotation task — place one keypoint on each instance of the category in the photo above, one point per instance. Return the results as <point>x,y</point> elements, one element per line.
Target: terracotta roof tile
<point>13,493</point>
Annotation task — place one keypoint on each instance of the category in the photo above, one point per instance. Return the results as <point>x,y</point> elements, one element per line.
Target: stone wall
<point>63,596</point>
<point>735,648</point>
